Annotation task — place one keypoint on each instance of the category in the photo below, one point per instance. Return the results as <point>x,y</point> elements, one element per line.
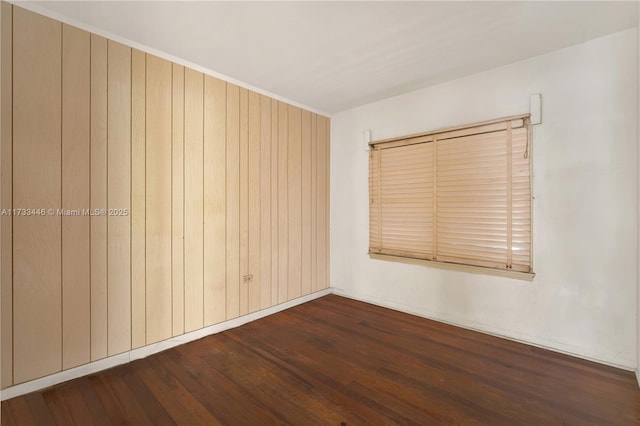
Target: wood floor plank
<point>19,410</point>
<point>165,396</point>
<point>132,406</point>
<point>57,407</point>
<point>78,409</point>
<point>83,387</point>
<point>108,399</point>
<point>181,393</point>
<point>39,410</point>
<point>151,406</point>
<point>339,361</point>
<point>5,417</point>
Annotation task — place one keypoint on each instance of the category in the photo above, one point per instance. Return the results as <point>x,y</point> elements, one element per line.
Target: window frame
<point>442,135</point>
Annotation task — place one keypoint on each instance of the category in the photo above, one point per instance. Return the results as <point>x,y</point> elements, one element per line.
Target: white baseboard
<point>145,351</point>
<point>621,364</point>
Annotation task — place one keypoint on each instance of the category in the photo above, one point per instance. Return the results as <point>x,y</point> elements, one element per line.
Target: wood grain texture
<point>322,203</point>
<point>314,202</point>
<point>138,199</point>
<point>294,199</point>
<point>345,362</point>
<point>98,197</point>
<point>283,204</point>
<point>215,122</point>
<point>327,205</point>
<point>305,276</point>
<point>76,228</point>
<point>275,203</point>
<point>265,202</point>
<point>37,293</point>
<point>119,197</point>
<point>244,201</point>
<point>158,197</point>
<point>177,200</point>
<point>233,201</point>
<point>193,200</point>
<point>254,286</point>
<point>6,195</point>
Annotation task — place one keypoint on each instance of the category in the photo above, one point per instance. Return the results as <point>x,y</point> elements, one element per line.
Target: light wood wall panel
<point>215,121</point>
<point>98,197</point>
<point>37,122</point>
<point>118,197</point>
<point>254,286</point>
<point>283,205</point>
<point>208,201</point>
<point>138,199</point>
<point>76,261</point>
<point>158,208</point>
<point>177,200</point>
<point>265,202</point>
<point>327,201</point>
<point>275,203</point>
<point>6,194</point>
<point>193,200</point>
<point>233,201</point>
<point>244,201</point>
<point>305,282</point>
<point>294,198</point>
<point>314,202</point>
<point>322,237</point>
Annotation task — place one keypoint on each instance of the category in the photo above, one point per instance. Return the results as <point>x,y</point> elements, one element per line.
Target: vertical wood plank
<point>327,201</point>
<point>37,239</point>
<point>193,200</point>
<point>76,262</point>
<point>294,198</point>
<point>275,206</point>
<point>118,197</point>
<point>177,200</point>
<point>321,203</point>
<point>158,199</point>
<point>138,199</point>
<point>98,197</point>
<point>6,194</point>
<point>283,206</point>
<point>233,201</point>
<point>314,203</point>
<point>254,208</point>
<point>215,121</point>
<point>265,202</point>
<point>306,203</point>
<point>244,199</point>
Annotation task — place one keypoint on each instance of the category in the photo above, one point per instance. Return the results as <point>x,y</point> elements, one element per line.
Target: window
<point>455,196</point>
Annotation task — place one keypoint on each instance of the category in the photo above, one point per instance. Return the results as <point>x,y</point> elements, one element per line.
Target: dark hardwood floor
<point>336,361</point>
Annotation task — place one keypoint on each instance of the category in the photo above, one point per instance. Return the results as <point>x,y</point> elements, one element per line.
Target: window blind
<point>459,195</point>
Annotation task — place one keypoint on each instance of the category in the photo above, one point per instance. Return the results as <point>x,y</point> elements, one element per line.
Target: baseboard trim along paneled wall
<point>144,200</point>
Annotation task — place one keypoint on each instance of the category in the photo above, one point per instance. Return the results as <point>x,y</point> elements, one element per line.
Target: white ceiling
<point>333,56</point>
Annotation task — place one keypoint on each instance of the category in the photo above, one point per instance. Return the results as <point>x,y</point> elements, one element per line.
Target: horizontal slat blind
<point>472,200</point>
<point>521,201</point>
<point>402,201</point>
<point>374,201</point>
<point>480,178</point>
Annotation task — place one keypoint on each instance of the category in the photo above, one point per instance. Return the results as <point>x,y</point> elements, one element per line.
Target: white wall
<point>583,298</point>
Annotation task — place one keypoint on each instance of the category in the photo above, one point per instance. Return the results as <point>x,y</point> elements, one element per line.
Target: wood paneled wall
<point>208,201</point>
